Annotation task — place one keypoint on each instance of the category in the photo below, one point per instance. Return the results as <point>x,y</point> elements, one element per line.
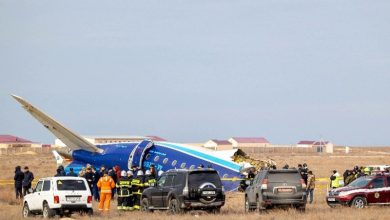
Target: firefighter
<point>105,184</point>
<point>123,186</point>
<point>149,179</point>
<point>131,198</point>
<point>137,185</point>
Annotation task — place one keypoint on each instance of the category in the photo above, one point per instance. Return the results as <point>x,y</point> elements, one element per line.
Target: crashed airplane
<point>229,164</point>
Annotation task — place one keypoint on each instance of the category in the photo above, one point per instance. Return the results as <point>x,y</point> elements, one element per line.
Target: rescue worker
<point>105,184</point>
<point>153,171</point>
<point>311,184</point>
<point>18,178</point>
<point>149,179</point>
<point>137,185</point>
<point>131,199</point>
<point>304,172</point>
<point>335,180</point>
<point>367,171</point>
<point>123,186</point>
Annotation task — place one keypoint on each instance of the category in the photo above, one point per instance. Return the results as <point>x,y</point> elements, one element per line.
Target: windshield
<point>284,177</point>
<point>73,185</point>
<point>360,182</point>
<point>196,179</point>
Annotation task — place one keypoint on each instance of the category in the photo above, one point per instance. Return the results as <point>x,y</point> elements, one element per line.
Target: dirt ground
<point>42,164</point>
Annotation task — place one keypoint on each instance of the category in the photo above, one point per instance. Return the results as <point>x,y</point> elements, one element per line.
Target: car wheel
<point>145,205</point>
<point>258,205</point>
<point>26,211</point>
<point>47,212</point>
<point>174,207</point>
<point>359,202</point>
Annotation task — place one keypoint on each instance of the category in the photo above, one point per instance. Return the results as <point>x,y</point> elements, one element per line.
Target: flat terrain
<point>42,164</point>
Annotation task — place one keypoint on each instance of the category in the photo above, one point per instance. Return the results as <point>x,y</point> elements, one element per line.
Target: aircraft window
<point>156,158</point>
<point>183,165</point>
<point>165,161</point>
<point>225,176</point>
<point>174,163</point>
<point>147,157</point>
<point>192,167</point>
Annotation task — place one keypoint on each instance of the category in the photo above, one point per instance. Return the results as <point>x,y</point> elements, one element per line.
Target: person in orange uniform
<point>105,184</point>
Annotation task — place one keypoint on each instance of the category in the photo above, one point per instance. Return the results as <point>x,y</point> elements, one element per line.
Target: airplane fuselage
<point>163,156</point>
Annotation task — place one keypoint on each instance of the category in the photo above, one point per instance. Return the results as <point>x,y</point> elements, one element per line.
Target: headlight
<point>345,193</point>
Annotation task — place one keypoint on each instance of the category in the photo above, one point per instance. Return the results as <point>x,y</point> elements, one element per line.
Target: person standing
<point>311,184</point>
<point>335,180</point>
<point>137,185</point>
<point>27,180</point>
<point>94,187</point>
<point>19,176</point>
<point>89,176</point>
<point>105,184</point>
<point>123,187</point>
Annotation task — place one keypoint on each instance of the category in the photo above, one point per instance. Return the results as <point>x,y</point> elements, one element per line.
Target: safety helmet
<point>123,173</point>
<point>160,172</point>
<point>130,172</point>
<point>140,173</point>
<point>147,173</point>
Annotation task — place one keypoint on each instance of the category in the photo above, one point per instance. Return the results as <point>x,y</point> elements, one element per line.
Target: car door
<point>166,188</point>
<point>251,189</point>
<point>46,193</point>
<point>156,194</point>
<point>377,191</point>
<point>36,200</point>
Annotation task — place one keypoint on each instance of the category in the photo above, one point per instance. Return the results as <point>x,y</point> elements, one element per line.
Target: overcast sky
<point>190,71</point>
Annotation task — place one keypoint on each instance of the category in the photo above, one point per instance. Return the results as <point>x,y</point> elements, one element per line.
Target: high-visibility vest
<point>137,185</point>
<point>367,171</point>
<point>124,187</point>
<point>337,182</point>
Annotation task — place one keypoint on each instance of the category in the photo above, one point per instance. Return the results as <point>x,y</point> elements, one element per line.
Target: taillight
<point>303,183</point>
<point>264,184</point>
<point>89,200</point>
<point>56,199</point>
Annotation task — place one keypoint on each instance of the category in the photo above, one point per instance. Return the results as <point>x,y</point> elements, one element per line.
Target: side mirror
<point>370,186</point>
<point>30,190</point>
<point>153,184</point>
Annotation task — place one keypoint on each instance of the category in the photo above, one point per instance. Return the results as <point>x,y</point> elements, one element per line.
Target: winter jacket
<point>19,176</point>
<point>28,178</point>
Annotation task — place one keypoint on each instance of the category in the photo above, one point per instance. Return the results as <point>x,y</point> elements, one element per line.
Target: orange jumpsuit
<point>105,184</point>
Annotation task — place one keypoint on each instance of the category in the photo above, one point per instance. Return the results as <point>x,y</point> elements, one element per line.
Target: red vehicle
<point>366,190</point>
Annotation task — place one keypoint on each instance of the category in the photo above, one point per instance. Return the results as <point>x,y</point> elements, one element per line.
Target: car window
<point>196,179</point>
<point>38,187</point>
<point>378,183</point>
<point>71,185</point>
<point>284,177</point>
<point>46,185</point>
<point>169,180</point>
<point>161,180</point>
<point>360,182</point>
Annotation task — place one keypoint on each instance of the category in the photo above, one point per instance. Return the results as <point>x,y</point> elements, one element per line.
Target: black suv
<point>179,190</point>
<point>276,188</point>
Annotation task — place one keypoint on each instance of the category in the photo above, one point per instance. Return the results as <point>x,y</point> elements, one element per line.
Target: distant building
<point>317,146</point>
<point>113,139</point>
<point>218,145</point>
<point>248,142</point>
<point>306,144</point>
<point>10,141</point>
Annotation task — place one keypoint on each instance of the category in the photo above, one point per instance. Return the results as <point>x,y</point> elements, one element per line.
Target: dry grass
<point>44,165</point>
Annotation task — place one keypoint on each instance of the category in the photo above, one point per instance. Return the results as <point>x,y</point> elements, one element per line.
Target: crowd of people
<point>349,175</point>
<point>22,181</point>
<point>105,184</point>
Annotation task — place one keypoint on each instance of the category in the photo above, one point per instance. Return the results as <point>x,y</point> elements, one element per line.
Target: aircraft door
<point>137,155</point>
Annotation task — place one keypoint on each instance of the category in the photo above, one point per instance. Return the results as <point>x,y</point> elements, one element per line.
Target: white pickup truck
<point>58,196</point>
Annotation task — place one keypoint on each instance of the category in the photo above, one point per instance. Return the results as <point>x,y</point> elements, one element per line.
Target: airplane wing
<point>68,137</point>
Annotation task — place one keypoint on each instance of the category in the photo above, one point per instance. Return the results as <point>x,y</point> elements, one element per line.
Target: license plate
<point>72,199</point>
<point>331,199</point>
<point>285,190</point>
<point>208,192</point>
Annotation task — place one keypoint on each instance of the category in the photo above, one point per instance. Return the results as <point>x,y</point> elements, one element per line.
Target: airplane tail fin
<point>68,137</point>
<point>59,159</point>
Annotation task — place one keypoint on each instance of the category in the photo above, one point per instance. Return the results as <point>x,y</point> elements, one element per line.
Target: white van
<point>58,196</point>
